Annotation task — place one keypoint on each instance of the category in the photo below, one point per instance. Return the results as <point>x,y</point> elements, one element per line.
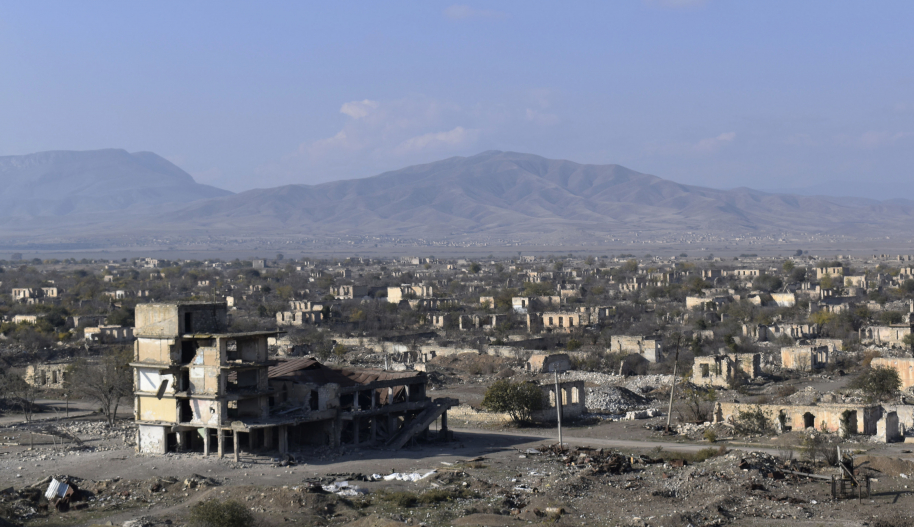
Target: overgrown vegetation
<point>214,513</point>
<point>752,421</point>
<point>518,399</point>
<point>879,383</point>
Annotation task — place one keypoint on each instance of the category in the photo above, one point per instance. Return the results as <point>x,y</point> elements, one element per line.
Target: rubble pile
<point>635,383</point>
<point>614,400</point>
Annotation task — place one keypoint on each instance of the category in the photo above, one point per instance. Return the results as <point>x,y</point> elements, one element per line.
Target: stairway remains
<point>421,422</point>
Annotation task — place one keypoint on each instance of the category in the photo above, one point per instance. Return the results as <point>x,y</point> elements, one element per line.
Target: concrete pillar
<point>444,423</point>
<point>237,447</point>
<point>205,441</point>
<point>268,438</point>
<point>374,429</point>
<point>180,442</point>
<point>283,439</point>
<point>374,399</point>
<point>355,401</point>
<point>220,442</point>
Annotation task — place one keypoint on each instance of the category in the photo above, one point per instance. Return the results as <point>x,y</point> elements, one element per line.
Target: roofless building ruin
<point>198,387</point>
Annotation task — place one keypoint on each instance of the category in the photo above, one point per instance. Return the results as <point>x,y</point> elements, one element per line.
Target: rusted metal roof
<point>307,370</point>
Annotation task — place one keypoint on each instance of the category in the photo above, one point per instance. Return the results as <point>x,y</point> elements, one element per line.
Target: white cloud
<point>465,12</point>
<point>713,143</point>
<point>358,109</point>
<point>459,136</point>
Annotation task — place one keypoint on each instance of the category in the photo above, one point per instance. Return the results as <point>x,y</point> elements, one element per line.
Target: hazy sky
<point>725,93</point>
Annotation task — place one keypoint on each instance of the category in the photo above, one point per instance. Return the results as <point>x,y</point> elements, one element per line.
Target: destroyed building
<point>804,358</point>
<point>723,370</point>
<point>196,384</point>
<point>844,419</point>
<point>48,375</point>
<point>540,363</point>
<point>647,347</point>
<point>903,365</point>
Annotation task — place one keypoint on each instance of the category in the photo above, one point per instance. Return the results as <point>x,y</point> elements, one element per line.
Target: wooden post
<point>236,445</point>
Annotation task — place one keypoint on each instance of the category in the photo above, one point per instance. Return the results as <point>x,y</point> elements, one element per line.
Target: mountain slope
<point>507,192</point>
<point>61,183</point>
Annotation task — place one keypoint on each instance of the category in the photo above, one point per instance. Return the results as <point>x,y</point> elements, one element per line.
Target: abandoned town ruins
<point>702,391</point>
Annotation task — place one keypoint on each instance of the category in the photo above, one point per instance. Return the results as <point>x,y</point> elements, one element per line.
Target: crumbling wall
<point>151,439</point>
<point>835,418</point>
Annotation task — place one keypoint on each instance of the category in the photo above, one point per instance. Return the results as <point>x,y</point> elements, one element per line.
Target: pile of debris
<point>591,461</point>
<point>614,400</point>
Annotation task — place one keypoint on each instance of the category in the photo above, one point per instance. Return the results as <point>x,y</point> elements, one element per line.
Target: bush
<point>710,435</point>
<point>517,399</point>
<point>752,422</point>
<point>212,513</point>
<point>821,446</point>
<point>879,383</point>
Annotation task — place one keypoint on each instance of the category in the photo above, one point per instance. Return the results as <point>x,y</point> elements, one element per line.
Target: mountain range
<point>61,183</point>
<point>490,194</point>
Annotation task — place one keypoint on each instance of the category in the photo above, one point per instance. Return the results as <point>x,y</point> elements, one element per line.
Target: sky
<point>812,96</point>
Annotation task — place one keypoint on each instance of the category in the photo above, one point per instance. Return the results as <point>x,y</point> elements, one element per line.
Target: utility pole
<point>669,414</point>
<point>558,405</point>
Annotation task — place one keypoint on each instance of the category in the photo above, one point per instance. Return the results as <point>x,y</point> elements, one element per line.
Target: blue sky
<point>725,93</point>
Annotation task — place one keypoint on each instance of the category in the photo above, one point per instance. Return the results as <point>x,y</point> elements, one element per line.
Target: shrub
<point>400,498</point>
<point>821,446</point>
<point>710,435</point>
<point>517,399</point>
<point>212,513</point>
<point>696,404</point>
<point>879,383</point>
<point>752,422</point>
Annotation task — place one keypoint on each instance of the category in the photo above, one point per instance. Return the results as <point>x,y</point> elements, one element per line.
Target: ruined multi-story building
<point>196,383</point>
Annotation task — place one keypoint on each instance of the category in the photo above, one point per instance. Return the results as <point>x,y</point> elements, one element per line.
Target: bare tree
<point>21,394</point>
<point>106,380</point>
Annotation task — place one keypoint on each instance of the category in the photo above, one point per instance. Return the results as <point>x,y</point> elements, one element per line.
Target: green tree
<point>879,383</point>
<point>475,267</point>
<point>518,399</point>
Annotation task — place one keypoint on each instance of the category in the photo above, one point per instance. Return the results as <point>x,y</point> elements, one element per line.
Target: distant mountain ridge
<point>503,194</point>
<point>61,183</point>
